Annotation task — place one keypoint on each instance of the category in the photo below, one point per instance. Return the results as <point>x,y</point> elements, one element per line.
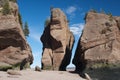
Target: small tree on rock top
<point>6,8</point>
<point>26,30</point>
<point>20,19</point>
<point>47,22</point>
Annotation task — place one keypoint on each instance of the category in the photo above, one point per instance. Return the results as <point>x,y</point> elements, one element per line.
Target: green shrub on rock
<point>13,0</point>
<point>4,66</point>
<point>6,8</point>
<point>47,22</point>
<point>47,68</point>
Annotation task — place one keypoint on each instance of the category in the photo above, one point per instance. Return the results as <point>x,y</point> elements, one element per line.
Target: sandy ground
<point>44,75</point>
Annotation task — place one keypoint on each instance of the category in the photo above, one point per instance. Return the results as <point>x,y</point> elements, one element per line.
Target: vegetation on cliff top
<point>6,8</point>
<point>13,0</point>
<point>47,22</point>
<point>20,19</point>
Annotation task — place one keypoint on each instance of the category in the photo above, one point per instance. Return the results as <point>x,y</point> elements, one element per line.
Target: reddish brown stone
<point>99,42</point>
<point>14,49</point>
<point>57,42</point>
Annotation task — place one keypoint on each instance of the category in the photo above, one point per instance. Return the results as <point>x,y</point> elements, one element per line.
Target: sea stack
<point>14,49</point>
<point>99,44</point>
<point>57,42</point>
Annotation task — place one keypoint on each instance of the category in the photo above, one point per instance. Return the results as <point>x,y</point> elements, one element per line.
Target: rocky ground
<point>43,75</point>
<point>98,74</point>
<point>104,74</point>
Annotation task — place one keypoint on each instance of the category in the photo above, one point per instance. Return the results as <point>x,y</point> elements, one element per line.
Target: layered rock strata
<point>99,44</point>
<point>14,49</point>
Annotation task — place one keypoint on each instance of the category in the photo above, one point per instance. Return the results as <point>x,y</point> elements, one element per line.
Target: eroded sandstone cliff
<point>57,42</point>
<point>14,49</point>
<point>99,44</point>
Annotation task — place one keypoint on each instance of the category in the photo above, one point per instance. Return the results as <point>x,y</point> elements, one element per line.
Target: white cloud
<point>70,10</point>
<point>35,36</point>
<point>77,28</point>
<point>35,33</point>
<point>73,11</point>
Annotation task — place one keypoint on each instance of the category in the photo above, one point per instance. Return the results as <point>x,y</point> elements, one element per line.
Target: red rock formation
<point>99,43</point>
<point>57,42</point>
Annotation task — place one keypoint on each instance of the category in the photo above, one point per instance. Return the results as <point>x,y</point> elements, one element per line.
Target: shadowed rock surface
<point>99,44</point>
<point>57,42</point>
<point>37,68</point>
<point>14,50</point>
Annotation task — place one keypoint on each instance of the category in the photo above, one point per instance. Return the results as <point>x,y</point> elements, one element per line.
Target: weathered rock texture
<point>99,44</point>
<point>57,42</point>
<point>14,50</point>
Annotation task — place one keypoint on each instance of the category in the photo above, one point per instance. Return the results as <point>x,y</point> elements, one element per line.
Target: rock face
<point>14,50</point>
<point>57,42</point>
<point>99,44</point>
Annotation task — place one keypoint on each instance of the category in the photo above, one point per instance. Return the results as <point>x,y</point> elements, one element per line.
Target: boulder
<point>57,42</point>
<point>13,72</point>
<point>37,68</point>
<point>99,44</point>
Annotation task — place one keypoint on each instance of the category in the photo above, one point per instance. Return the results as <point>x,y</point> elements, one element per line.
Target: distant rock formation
<point>99,44</point>
<point>14,49</point>
<point>57,42</point>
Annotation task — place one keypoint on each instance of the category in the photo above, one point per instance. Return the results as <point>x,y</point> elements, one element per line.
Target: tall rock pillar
<point>57,42</point>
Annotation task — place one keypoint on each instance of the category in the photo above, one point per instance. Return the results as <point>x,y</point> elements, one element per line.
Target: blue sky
<point>35,12</point>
